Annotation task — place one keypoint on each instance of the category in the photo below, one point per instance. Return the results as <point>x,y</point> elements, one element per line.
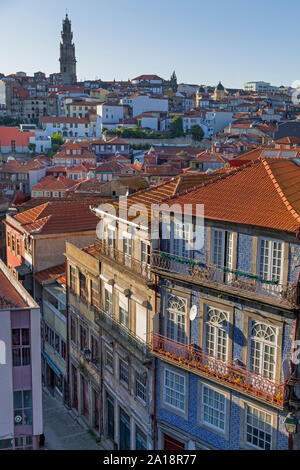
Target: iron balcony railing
<point>114,328</point>
<point>237,281</point>
<point>122,334</point>
<point>239,378</point>
<point>143,269</point>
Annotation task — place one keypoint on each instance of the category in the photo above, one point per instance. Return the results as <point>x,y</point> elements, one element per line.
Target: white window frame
<point>247,406</point>
<point>226,247</point>
<point>172,325</point>
<point>166,388</point>
<point>108,351</point>
<point>125,382</point>
<point>142,385</point>
<point>217,329</point>
<point>127,247</point>
<point>108,289</point>
<point>270,276</point>
<point>264,344</point>
<point>213,408</point>
<point>124,306</point>
<point>181,238</point>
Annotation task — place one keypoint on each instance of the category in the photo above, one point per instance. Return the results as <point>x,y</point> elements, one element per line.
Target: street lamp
<point>87,354</point>
<point>290,423</point>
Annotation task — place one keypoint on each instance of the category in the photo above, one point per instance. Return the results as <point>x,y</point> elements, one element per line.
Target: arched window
<point>263,349</point>
<point>176,318</point>
<point>216,333</point>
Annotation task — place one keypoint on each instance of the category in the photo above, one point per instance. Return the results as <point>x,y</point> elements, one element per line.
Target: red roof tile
<point>9,297</point>
<point>263,193</point>
<point>61,183</point>
<point>58,217</point>
<point>50,274</point>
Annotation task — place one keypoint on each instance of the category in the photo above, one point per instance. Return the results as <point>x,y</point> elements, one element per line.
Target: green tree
<point>197,132</point>
<point>32,149</point>
<point>56,140</point>
<point>176,127</point>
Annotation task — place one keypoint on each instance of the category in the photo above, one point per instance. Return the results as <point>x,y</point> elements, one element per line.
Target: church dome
<point>220,87</point>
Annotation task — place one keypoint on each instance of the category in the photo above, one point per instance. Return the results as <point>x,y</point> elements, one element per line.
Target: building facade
<point>227,318</point>
<point>21,422</point>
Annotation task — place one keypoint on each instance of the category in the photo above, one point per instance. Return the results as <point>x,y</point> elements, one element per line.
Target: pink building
<point>21,422</point>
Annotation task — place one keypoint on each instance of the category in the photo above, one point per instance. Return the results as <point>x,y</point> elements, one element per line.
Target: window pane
<point>27,399</point>
<point>18,400</point>
<point>16,357</point>
<point>25,336</point>
<point>26,356</point>
<point>16,337</point>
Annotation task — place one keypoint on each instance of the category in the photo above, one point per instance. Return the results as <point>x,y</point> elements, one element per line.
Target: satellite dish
<point>193,312</point>
<point>18,419</point>
<point>286,369</point>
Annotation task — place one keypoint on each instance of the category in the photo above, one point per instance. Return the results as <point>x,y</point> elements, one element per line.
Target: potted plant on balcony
<point>279,397</point>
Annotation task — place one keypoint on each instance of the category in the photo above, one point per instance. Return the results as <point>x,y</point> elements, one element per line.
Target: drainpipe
<point>67,397</point>
<point>290,437</point>
<point>155,376</point>
<point>101,407</point>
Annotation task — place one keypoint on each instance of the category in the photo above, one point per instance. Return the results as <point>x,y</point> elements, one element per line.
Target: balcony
<point>143,270</point>
<point>238,378</point>
<point>120,333</point>
<point>227,281</point>
<point>123,336</point>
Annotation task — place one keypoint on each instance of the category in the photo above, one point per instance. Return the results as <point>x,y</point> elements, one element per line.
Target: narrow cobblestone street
<point>62,431</point>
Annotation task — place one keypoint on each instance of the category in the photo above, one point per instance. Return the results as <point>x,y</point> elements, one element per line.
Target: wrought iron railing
<point>194,270</point>
<point>114,328</point>
<point>236,377</point>
<point>122,334</point>
<point>140,268</point>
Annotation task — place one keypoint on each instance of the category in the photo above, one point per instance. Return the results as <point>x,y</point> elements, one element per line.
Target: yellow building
<point>219,92</point>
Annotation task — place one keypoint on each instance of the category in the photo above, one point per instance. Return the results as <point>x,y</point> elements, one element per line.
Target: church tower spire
<point>67,53</point>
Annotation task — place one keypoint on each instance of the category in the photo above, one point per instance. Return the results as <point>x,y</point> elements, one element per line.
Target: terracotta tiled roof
<point>64,119</point>
<point>111,167</point>
<point>61,183</point>
<point>116,140</point>
<point>163,191</point>
<point>269,152</point>
<point>19,166</point>
<point>264,193</point>
<point>9,297</point>
<point>7,134</point>
<point>288,140</point>
<point>58,217</point>
<point>147,77</point>
<point>48,275</point>
<point>85,154</point>
<point>91,250</point>
<point>209,157</point>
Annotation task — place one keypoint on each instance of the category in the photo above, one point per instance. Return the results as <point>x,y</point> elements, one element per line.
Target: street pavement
<point>62,431</point>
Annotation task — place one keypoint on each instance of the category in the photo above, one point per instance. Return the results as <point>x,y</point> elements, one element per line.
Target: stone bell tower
<point>67,54</point>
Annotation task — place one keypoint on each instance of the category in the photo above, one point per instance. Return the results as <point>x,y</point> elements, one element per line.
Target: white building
<point>144,103</point>
<point>211,122</point>
<point>70,127</point>
<point>153,82</point>
<point>21,420</point>
<point>110,115</point>
<point>260,87</point>
<point>41,141</point>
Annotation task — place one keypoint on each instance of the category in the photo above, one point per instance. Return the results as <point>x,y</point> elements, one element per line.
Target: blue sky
<point>233,41</point>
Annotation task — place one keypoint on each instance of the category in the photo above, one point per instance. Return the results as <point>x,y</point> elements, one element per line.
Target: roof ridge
<point>279,190</point>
